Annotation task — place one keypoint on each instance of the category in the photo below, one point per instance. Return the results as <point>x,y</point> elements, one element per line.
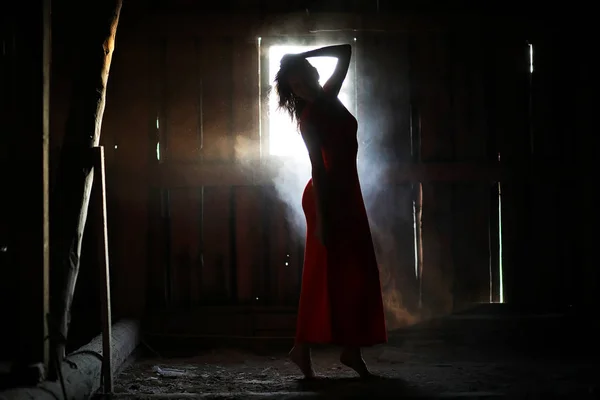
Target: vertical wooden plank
<point>8,275</point>
<point>86,289</point>
<point>383,108</point>
<point>217,146</point>
<point>127,116</point>
<point>249,204</point>
<point>494,233</point>
<point>183,145</point>
<point>466,80</point>
<point>431,72</point>
<point>182,78</point>
<point>157,295</point>
<point>471,213</point>
<point>86,299</point>
<point>245,100</point>
<point>64,67</point>
<point>103,278</point>
<point>24,158</point>
<point>116,211</point>
<point>216,234</point>
<point>293,263</point>
<point>555,141</point>
<point>385,137</point>
<point>249,245</point>
<point>159,238</point>
<point>432,100</point>
<point>60,86</point>
<point>438,268</point>
<point>583,193</point>
<point>548,143</point>
<point>471,244</point>
<point>393,237</point>
<point>284,286</point>
<point>217,88</point>
<point>185,244</point>
<point>507,100</point>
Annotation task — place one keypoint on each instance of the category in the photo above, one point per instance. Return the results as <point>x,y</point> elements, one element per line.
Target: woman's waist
<point>341,169</point>
<point>339,186</point>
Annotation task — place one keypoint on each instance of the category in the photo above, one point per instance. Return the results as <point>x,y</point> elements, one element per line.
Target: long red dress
<point>340,299</point>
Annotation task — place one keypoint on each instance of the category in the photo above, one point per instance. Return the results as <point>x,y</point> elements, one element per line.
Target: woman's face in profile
<point>304,81</point>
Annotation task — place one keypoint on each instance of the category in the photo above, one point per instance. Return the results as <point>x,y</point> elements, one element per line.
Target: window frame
<point>312,40</point>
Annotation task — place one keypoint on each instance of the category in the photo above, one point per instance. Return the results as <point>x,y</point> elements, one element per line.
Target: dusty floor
<point>425,369</point>
<point>490,351</point>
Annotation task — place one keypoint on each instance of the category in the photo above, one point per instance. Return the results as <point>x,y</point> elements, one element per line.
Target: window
<point>284,139</point>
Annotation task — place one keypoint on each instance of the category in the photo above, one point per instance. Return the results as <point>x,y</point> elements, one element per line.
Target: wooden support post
<point>419,237</point>
<point>82,382</point>
<point>431,98</point>
<point>100,191</point>
<point>24,148</point>
<point>74,176</point>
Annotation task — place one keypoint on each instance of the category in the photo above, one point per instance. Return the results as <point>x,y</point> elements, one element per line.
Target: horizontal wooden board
<point>255,24</point>
<point>171,175</point>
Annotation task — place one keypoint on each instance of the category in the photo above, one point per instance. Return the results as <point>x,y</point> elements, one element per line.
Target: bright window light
<point>284,138</point>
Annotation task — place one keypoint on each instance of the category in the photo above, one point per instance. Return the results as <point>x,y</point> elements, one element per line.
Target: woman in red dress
<point>340,299</point>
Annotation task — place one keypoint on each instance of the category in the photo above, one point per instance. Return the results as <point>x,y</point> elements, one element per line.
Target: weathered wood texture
<point>128,122</point>
<point>383,94</point>
<point>74,177</point>
<point>219,233</point>
<point>471,213</point>
<point>195,219</point>
<point>562,132</point>
<point>83,382</point>
<point>507,104</point>
<point>431,98</point>
<point>462,88</point>
<point>24,166</point>
<point>99,193</point>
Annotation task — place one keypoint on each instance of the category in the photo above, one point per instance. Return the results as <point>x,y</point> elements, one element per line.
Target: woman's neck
<point>312,96</point>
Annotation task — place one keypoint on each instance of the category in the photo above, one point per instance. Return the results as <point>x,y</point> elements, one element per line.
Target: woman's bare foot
<point>300,355</point>
<point>352,358</point>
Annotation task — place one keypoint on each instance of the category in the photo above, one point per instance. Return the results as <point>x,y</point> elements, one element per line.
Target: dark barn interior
<point>141,160</point>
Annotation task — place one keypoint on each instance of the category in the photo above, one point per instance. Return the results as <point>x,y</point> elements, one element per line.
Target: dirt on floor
<point>428,370</point>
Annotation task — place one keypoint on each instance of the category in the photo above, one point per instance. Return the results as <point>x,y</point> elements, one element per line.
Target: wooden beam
<point>255,24</point>
<point>99,190</point>
<point>179,175</point>
<point>82,382</point>
<point>75,175</point>
<point>24,152</point>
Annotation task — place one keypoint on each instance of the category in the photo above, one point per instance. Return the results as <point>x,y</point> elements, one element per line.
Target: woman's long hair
<point>288,100</point>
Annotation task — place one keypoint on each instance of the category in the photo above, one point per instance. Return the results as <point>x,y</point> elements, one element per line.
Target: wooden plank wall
<point>385,137</point>
<point>460,96</point>
<point>24,151</point>
<point>128,118</point>
<point>224,244</point>
<point>560,270</point>
<point>194,227</point>
<point>508,75</point>
<point>85,321</point>
<point>430,68</point>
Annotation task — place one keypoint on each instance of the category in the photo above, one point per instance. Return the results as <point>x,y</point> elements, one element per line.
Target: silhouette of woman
<point>340,299</point>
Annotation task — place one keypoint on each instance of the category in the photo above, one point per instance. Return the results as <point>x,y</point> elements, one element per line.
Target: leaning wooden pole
<point>74,177</point>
